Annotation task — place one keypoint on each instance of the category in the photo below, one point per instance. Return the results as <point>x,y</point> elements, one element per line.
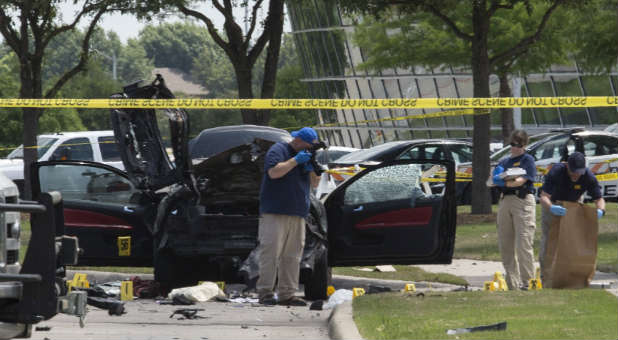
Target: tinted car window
<point>76,149</point>
<point>551,149</point>
<point>424,152</point>
<point>461,153</point>
<point>43,144</point>
<point>600,145</point>
<point>109,149</point>
<point>83,182</point>
<point>324,157</point>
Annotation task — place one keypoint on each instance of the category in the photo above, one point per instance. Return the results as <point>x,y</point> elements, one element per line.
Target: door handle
<point>360,208</point>
<point>129,209</point>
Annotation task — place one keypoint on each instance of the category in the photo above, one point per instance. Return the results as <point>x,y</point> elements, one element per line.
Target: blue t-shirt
<point>559,186</point>
<point>288,195</point>
<point>525,162</point>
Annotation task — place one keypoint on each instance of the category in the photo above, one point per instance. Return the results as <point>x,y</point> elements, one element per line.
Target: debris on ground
<point>113,306</point>
<point>338,297</point>
<point>385,268</point>
<point>42,328</point>
<point>200,293</point>
<point>188,313</point>
<point>145,289</point>
<point>372,289</point>
<point>501,326</point>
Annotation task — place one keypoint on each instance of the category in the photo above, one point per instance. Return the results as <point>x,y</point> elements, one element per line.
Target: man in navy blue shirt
<point>284,204</point>
<point>516,213</point>
<point>566,182</point>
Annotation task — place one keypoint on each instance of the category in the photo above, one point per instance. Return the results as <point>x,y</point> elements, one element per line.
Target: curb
<point>96,277</point>
<point>341,323</point>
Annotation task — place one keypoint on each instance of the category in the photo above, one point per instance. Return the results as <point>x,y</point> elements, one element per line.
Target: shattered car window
<point>82,182</point>
<point>390,183</point>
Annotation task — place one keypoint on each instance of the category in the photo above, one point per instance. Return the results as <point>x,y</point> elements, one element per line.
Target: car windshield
<point>366,155</point>
<point>43,144</point>
<point>498,155</point>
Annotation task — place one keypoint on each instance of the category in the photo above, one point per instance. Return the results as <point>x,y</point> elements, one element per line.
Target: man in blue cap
<point>284,204</point>
<point>566,182</point>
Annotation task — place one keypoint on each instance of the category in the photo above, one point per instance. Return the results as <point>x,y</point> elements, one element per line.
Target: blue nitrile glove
<point>599,213</point>
<point>496,176</point>
<point>308,167</point>
<point>557,210</point>
<point>302,157</point>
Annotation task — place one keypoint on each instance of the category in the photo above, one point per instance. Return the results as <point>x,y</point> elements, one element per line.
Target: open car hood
<point>141,147</point>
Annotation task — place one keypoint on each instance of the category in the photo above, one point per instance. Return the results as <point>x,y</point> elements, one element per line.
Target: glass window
<point>83,182</point>
<point>600,146</point>
<point>109,149</point>
<point>396,182</point>
<point>461,153</point>
<point>43,144</point>
<point>75,149</point>
<point>551,149</point>
<point>424,152</point>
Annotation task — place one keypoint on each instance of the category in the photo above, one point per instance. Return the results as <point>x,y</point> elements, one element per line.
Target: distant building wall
<point>330,62</point>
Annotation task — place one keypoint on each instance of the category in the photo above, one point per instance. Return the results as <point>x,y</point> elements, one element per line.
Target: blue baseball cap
<point>307,134</point>
<point>577,163</point>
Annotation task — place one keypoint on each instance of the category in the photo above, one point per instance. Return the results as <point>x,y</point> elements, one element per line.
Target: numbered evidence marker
<point>356,292</point>
<point>126,291</point>
<point>124,245</point>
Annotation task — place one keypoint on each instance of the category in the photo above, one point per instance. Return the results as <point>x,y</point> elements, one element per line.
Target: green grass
<point>545,314</point>
<point>480,240</point>
<point>404,273</point>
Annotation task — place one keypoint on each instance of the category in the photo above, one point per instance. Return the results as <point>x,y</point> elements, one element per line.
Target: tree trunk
<point>275,27</point>
<point>245,90</point>
<point>481,201</point>
<point>507,113</point>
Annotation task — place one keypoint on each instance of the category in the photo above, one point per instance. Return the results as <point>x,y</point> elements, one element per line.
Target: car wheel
<point>315,287</point>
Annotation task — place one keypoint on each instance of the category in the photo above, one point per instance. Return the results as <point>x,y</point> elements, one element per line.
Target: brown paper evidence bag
<point>571,251</point>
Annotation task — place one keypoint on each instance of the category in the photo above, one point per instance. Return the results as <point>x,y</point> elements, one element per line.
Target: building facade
<point>330,59</point>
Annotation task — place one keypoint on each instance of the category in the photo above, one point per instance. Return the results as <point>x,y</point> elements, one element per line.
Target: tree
<point>242,48</point>
<point>424,42</point>
<point>473,33</point>
<point>27,27</point>
<point>175,45</point>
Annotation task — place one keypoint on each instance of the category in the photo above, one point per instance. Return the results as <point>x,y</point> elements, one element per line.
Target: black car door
<point>383,216</point>
<point>102,208</point>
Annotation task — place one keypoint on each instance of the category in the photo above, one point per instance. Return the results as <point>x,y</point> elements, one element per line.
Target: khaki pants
<point>516,224</point>
<point>282,238</point>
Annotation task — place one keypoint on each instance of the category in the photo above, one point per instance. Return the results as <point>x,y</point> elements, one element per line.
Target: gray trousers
<point>282,239</point>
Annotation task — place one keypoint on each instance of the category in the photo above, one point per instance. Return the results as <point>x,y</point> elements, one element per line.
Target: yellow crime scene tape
<point>384,103</point>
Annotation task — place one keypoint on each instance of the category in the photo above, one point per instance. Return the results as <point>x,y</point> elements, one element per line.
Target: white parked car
<point>612,128</point>
<point>97,146</point>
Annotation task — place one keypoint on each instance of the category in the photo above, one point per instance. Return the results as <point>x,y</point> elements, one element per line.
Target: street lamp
<point>112,58</point>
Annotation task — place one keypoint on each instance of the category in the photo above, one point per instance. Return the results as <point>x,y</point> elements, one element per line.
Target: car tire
<point>316,285</point>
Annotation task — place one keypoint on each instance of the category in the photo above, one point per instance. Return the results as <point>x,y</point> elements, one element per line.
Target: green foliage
<point>176,45</point>
<point>595,33</point>
<point>408,39</point>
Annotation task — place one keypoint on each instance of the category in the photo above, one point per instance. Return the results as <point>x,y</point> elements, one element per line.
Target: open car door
<point>386,215</point>
<point>102,208</point>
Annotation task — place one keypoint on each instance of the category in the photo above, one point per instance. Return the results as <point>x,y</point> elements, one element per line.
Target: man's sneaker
<point>268,300</point>
<point>293,301</point>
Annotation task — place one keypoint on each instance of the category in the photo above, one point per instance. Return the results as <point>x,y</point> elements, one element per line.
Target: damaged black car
<point>195,218</point>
